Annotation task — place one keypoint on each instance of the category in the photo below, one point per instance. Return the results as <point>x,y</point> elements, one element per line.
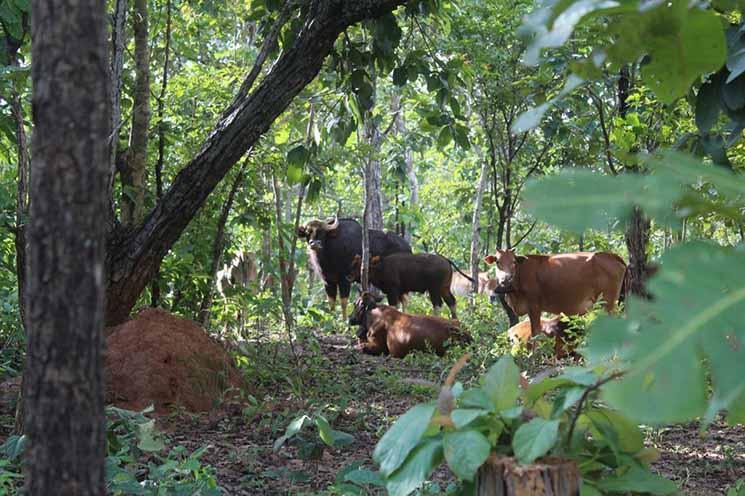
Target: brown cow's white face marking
<point>505,266</point>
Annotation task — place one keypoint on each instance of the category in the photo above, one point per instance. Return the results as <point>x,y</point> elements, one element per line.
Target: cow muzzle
<point>315,245</point>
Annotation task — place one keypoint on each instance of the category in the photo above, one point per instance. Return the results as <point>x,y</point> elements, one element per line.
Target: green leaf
<point>707,105</point>
<point>476,398</point>
<point>586,489</point>
<point>566,399</point>
<point>697,311</point>
<point>444,138</point>
<point>535,439</point>
<point>465,452</point>
<point>637,480</point>
<point>419,465</point>
<point>626,434</point>
<point>400,76</point>
<point>402,437</point>
<point>463,416</point>
<point>330,436</point>
<point>363,477</point>
<point>150,439</point>
<point>683,44</point>
<point>293,428</point>
<point>502,383</point>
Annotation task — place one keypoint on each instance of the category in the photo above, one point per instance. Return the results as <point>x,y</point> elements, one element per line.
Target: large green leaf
<point>535,439</point>
<point>419,465</point>
<point>502,383</point>
<point>331,436</point>
<point>637,480</point>
<point>465,452</point>
<point>697,311</point>
<point>402,437</point>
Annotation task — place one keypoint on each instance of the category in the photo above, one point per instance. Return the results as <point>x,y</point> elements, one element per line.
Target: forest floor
<point>362,395</point>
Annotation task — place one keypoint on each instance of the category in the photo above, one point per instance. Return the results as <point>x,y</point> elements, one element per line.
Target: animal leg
<point>331,295</point>
<point>436,300</point>
<point>344,308</point>
<point>344,288</point>
<point>450,300</point>
<point>534,314</point>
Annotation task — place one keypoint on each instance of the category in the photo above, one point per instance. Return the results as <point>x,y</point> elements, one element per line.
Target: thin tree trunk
<point>581,242</point>
<point>133,254</point>
<point>133,177</point>
<point>16,109</point>
<point>637,236</point>
<point>118,33</point>
<point>63,385</point>
<point>155,288</point>
<point>218,246</point>
<point>402,132</point>
<point>476,229</point>
<point>373,139</point>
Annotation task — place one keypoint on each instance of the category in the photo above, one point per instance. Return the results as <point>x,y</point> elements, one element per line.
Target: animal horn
<point>332,223</point>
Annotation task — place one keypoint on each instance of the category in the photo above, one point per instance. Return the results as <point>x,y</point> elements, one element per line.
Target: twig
<point>587,392</point>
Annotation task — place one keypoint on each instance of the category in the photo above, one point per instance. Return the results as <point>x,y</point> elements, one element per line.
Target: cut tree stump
<point>503,476</point>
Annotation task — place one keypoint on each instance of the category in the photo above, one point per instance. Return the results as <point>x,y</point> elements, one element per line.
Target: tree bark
<point>373,139</point>
<point>502,476</point>
<point>133,176</point>
<point>218,246</point>
<point>118,34</point>
<point>637,237</point>
<point>16,110</point>
<point>63,384</point>
<point>401,131</point>
<point>133,255</point>
<point>476,228</point>
<point>155,288</point>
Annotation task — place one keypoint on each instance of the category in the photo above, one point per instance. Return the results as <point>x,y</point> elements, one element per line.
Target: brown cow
<point>460,286</point>
<point>400,273</point>
<point>520,335</point>
<point>385,330</point>
<point>568,283</point>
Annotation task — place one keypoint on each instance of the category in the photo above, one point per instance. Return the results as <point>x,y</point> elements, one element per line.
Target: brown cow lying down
<point>568,283</point>
<point>520,335</point>
<point>385,330</point>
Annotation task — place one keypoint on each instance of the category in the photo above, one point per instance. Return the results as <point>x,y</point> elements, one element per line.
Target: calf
<point>461,286</point>
<point>385,330</point>
<point>569,283</point>
<point>520,335</point>
<point>401,273</point>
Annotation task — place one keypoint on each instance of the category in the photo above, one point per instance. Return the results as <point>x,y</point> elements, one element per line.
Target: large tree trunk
<point>63,384</point>
<point>133,256</point>
<point>133,175</point>
<point>476,228</point>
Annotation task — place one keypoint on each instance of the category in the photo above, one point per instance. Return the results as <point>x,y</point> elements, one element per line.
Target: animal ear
<point>490,259</point>
<point>375,260</point>
<point>521,258</point>
<point>301,232</point>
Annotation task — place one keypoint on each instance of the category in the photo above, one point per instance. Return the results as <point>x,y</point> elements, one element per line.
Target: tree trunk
<point>637,236</point>
<point>502,476</point>
<point>476,228</point>
<point>16,109</point>
<point>133,177</point>
<point>133,256</point>
<point>118,34</point>
<point>155,288</point>
<point>63,385</point>
<point>401,131</point>
<point>374,139</point>
<point>218,246</point>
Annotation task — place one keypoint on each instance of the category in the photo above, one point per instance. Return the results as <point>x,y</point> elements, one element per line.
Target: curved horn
<point>332,223</point>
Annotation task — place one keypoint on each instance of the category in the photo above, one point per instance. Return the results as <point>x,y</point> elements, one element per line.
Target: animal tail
<point>456,268</point>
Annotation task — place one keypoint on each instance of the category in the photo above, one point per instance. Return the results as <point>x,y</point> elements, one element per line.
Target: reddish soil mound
<point>168,361</point>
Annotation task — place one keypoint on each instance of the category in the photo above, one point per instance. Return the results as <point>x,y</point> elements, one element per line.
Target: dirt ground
<point>362,395</point>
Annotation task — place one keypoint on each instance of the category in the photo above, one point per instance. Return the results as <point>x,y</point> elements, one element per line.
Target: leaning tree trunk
<point>133,175</point>
<point>503,476</point>
<point>63,384</point>
<point>133,256</point>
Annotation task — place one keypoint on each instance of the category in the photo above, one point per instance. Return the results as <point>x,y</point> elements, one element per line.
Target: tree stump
<point>503,476</point>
